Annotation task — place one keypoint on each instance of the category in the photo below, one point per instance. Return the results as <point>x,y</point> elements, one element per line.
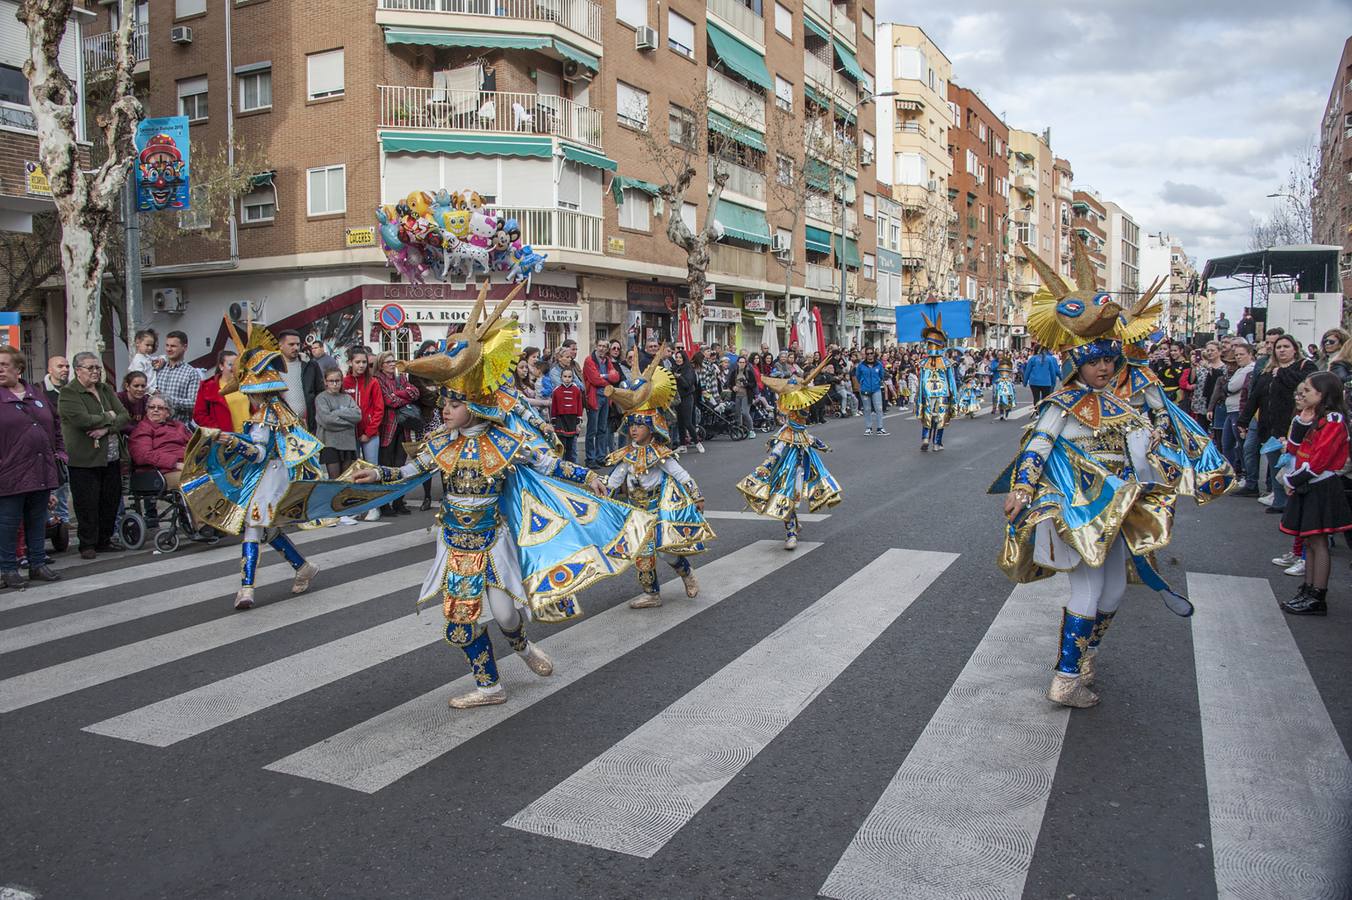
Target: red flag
<point>683,336</point>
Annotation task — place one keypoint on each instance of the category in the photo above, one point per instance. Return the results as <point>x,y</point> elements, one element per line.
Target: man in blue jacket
<point>869,373</point>
<point>1041,374</point>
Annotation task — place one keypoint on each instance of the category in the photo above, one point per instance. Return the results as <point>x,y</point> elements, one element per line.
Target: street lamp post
<point>840,251</point>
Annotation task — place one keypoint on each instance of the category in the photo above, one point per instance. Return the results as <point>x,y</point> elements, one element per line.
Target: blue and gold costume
<point>938,390</point>
<point>1005,398</point>
<point>969,397</point>
<point>652,480</point>
<point>518,415</point>
<point>794,471</point>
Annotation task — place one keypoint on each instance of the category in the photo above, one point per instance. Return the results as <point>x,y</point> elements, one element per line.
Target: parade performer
<point>969,396</point>
<point>938,390</point>
<point>519,532</point>
<point>651,479</point>
<point>794,470</point>
<point>1005,398</point>
<point>1076,501</point>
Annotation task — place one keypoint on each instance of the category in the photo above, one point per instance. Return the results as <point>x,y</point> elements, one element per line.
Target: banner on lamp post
<point>163,153</point>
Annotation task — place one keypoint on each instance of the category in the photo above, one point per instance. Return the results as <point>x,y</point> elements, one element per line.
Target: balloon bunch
<point>453,231</point>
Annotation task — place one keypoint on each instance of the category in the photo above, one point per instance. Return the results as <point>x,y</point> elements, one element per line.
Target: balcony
<point>440,109</point>
<point>904,127</point>
<point>821,7</point>
<point>741,18</point>
<point>558,229</point>
<point>741,180</point>
<point>843,24</point>
<point>99,49</point>
<point>582,17</point>
<point>816,70</point>
<point>820,278</point>
<point>730,260</point>
<point>1026,183</point>
<point>845,91</point>
<point>735,99</point>
<point>1065,192</point>
<point>820,207</point>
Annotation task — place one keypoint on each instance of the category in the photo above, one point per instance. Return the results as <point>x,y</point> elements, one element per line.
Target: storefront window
<point>555,334</point>
<point>398,342</point>
<point>718,333</point>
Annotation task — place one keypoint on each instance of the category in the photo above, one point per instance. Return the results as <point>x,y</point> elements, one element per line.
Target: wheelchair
<point>142,516</point>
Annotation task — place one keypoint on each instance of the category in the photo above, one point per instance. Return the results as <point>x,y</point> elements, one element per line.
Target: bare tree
<point>1292,219</point>
<point>928,237</point>
<point>87,203</point>
<point>28,261</point>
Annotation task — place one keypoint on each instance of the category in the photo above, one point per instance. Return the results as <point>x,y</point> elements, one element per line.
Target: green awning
<point>816,29</point>
<point>427,37</point>
<point>619,183</point>
<point>748,137</point>
<point>815,96</point>
<point>739,57</point>
<point>568,51</point>
<point>818,240</point>
<point>818,174</point>
<point>852,67</point>
<point>262,179</point>
<point>467,144</point>
<point>588,158</point>
<point>743,222</point>
<point>851,250</point>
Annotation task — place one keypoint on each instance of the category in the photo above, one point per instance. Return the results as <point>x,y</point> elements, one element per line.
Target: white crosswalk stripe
<point>380,751</point>
<point>639,793</point>
<point>749,515</point>
<point>961,816</point>
<point>1279,782</point>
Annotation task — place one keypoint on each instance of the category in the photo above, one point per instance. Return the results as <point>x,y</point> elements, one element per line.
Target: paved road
<point>861,718</point>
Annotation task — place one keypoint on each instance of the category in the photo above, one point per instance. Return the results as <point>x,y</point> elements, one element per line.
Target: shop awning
<point>748,137</point>
<point>743,222</point>
<point>739,57</point>
<point>588,158</point>
<point>527,145</point>
<point>851,250</point>
<point>818,240</point>
<point>816,29</point>
<point>428,37</point>
<point>619,183</point>
<point>852,67</point>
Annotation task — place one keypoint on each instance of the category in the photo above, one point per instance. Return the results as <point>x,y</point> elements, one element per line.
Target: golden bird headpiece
<point>798,393</point>
<point>643,400</point>
<point>261,365</point>
<point>478,359</point>
<point>1084,322</point>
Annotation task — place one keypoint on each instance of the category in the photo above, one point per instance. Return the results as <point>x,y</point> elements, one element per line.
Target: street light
<point>840,254</point>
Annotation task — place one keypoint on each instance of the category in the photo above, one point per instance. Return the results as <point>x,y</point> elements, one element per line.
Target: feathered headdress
<point>1084,321</point>
<point>478,359</point>
<point>798,393</point>
<point>646,396</point>
<point>261,365</point>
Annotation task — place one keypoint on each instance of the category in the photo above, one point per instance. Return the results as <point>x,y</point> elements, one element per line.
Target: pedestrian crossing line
<point>378,752</point>
<point>65,678</point>
<point>33,634</point>
<point>169,565</point>
<point>637,795</point>
<point>747,514</point>
<point>1279,781</point>
<point>961,816</point>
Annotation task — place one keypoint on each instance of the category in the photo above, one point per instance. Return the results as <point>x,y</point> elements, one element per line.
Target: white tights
<point>1099,590</point>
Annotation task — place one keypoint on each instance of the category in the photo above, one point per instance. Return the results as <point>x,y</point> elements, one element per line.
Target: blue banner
<point>162,164</point>
<point>956,314</point>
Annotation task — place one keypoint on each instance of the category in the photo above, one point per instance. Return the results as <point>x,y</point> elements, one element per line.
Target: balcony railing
<point>741,180</point>
<point>99,49</point>
<point>581,16</point>
<point>821,7</point>
<point>820,208</point>
<point>559,229</point>
<point>821,278</point>
<point>816,70</point>
<point>1026,183</point>
<point>844,25</point>
<point>737,261</point>
<point>740,17</point>
<point>904,127</point>
<point>735,100</point>
<point>446,110</point>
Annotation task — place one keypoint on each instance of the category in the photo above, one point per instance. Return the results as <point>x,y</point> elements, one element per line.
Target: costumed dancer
<point>520,533</point>
<point>1005,398</point>
<point>937,391</point>
<point>651,479</point>
<point>1076,503</point>
<point>794,470</point>
<point>969,396</point>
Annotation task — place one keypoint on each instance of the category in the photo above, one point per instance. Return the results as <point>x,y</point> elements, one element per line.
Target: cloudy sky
<point>1185,112</point>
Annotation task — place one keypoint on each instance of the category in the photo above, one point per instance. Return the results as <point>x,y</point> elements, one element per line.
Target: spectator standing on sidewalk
<point>565,413</point>
<point>336,419</point>
<point>31,455</point>
<point>92,419</point>
<point>58,375</point>
<point>178,381</point>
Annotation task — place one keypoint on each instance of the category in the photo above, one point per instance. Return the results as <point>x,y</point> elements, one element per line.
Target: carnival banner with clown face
<point>162,174</point>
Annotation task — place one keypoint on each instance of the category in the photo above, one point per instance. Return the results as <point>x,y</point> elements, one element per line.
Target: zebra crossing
<point>961,816</point>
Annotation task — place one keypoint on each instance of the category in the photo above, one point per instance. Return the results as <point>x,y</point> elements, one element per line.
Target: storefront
<point>880,326</point>
<point>720,322</point>
<point>830,313</point>
<point>651,310</point>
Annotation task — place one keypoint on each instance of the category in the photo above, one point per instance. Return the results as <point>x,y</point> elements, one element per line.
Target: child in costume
<point>1005,399</point>
<point>1078,501</point>
<point>520,533</point>
<point>651,479</point>
<point>937,389</point>
<point>969,398</point>
<point>794,470</point>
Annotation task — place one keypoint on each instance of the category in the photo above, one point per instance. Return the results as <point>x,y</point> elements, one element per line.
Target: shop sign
<point>36,179</point>
<point>615,245</point>
<point>1017,330</point>
<point>649,297</point>
<point>359,237</point>
<point>854,318</point>
<point>754,302</point>
<point>722,314</point>
<point>569,315</point>
<point>710,292</point>
<point>403,292</point>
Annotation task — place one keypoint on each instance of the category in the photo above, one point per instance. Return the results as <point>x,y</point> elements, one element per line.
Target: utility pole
<point>131,231</point>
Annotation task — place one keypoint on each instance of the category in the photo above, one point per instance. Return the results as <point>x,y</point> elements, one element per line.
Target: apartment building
<point>1332,204</point>
<point>1123,253</point>
<point>1185,312</point>
<point>1033,206</point>
<point>978,190</point>
<point>1088,220</point>
<point>891,219</point>
<point>1063,185</point>
<point>550,111</point>
<point>913,157</point>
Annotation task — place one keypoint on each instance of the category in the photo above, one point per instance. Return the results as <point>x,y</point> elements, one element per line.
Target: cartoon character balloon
<point>456,232</point>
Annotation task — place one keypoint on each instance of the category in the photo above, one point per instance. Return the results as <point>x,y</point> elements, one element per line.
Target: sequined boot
<point>1067,687</point>
<point>1088,666</point>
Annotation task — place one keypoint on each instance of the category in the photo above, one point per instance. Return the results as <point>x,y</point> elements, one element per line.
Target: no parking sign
<point>391,317</point>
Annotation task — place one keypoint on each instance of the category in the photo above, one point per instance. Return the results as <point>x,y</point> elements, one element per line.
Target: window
<point>14,109</point>
<point>632,12</point>
<point>870,265</point>
<point>894,236</point>
<point>869,206</point>
<point>688,211</point>
<point>909,62</point>
<point>255,90</point>
<point>631,105</point>
<point>192,98</point>
<point>784,20</point>
<point>983,212</point>
<point>681,126</point>
<point>570,186</point>
<point>882,230</point>
<point>259,205</point>
<point>196,217</point>
<point>784,237</point>
<point>680,34</point>
<point>866,24</point>
<point>981,129</point>
<point>866,146</point>
<point>635,210</point>
<point>783,94</point>
<point>783,169</point>
<point>324,73</point>
<point>184,8</point>
<point>910,168</point>
<point>327,190</point>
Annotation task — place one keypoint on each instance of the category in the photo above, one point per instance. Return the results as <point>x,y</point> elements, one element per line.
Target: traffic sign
<point>391,316</point>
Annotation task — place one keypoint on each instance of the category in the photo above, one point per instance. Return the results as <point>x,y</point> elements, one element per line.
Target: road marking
<point>169,564</point>
<point>378,752</point>
<point>99,668</point>
<point>747,514</point>
<point>57,627</point>
<point>1279,782</point>
<point>961,816</point>
<point>637,795</point>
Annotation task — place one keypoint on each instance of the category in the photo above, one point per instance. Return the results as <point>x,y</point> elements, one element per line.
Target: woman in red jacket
<point>157,442</point>
<point>212,409</point>
<point>396,392</point>
<point>365,389</point>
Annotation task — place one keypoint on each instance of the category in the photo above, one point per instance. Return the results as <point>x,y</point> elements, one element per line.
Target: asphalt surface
<point>1127,814</point>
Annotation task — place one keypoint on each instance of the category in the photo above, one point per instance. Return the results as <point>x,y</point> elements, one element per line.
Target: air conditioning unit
<point>574,71</point>
<point>866,157</point>
<point>180,34</point>
<point>932,186</point>
<point>168,300</point>
<point>645,38</point>
<point>780,244</point>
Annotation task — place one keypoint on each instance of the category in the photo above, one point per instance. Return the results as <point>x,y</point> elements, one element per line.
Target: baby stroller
<point>720,419</point>
<point>762,413</point>
<point>143,516</point>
